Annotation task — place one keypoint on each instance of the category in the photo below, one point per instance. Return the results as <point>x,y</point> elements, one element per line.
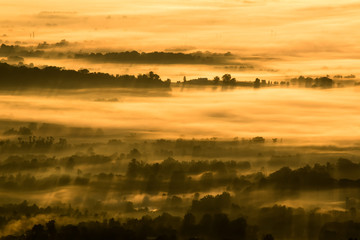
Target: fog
<point>179,120</point>
<point>262,161</point>
<point>322,115</point>
<point>304,37</point>
<point>79,183</point>
<point>89,155</point>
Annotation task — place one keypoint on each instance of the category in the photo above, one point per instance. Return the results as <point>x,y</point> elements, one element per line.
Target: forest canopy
<point>23,77</point>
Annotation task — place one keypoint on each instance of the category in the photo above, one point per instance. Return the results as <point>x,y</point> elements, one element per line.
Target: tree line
<point>134,57</point>
<point>22,77</point>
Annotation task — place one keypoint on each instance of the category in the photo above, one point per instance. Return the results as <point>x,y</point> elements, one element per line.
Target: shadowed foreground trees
<point>277,222</point>
<point>340,230</point>
<point>165,226</point>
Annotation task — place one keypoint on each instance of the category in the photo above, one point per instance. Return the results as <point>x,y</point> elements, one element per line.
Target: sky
<point>314,37</point>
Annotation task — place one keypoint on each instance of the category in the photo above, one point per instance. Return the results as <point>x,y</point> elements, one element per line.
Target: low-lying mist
<point>177,120</point>
<point>322,115</point>
<point>302,189</point>
<point>275,161</point>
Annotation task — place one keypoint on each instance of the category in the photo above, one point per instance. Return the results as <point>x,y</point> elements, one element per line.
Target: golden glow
<point>100,150</point>
<point>292,33</point>
<point>300,113</point>
<point>274,21</point>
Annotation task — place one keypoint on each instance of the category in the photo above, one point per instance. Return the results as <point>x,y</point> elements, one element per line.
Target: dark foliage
<point>164,226</point>
<point>22,77</point>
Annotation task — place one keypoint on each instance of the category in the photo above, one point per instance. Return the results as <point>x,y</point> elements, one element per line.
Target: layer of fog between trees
<point>246,188</point>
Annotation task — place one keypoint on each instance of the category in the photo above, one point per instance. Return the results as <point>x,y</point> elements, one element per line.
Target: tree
<point>154,76</point>
<point>268,237</point>
<point>168,82</point>
<point>177,182</point>
<point>226,78</point>
<point>50,226</point>
<point>188,226</point>
<point>257,83</point>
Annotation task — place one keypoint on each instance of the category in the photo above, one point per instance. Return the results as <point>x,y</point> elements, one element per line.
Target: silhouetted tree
<point>257,83</point>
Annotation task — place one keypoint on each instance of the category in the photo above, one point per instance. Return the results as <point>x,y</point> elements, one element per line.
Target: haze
<point>176,120</point>
<point>282,37</point>
<point>201,113</point>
